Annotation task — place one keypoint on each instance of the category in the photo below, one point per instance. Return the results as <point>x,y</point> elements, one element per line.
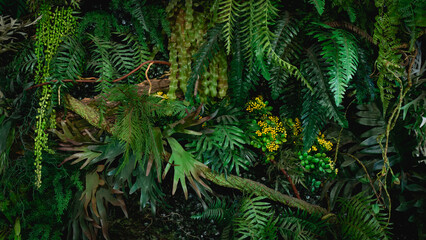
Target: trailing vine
<point>53,26</point>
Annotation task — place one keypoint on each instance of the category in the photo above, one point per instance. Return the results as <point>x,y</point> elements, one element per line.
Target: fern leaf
<point>149,17</point>
<point>228,12</point>
<point>340,51</point>
<point>255,216</point>
<point>319,5</point>
<point>312,68</point>
<point>300,225</point>
<point>312,120</point>
<point>237,82</point>
<point>358,221</point>
<point>203,57</point>
<point>69,61</point>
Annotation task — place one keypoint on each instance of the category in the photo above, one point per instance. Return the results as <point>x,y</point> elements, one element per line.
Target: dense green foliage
<point>321,100</point>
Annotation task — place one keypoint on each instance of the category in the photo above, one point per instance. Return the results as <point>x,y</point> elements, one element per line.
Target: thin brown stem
<point>288,178</point>
<point>94,79</point>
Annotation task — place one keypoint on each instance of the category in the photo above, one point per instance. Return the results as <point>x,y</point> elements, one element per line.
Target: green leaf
<point>319,5</point>
<point>185,166</point>
<point>203,58</point>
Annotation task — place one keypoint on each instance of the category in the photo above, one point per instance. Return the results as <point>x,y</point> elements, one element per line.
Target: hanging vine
<point>53,26</point>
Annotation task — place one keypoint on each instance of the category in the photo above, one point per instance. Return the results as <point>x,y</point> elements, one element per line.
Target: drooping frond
<point>149,18</point>
<point>313,69</point>
<point>237,81</point>
<point>101,23</point>
<point>228,14</point>
<point>313,119</point>
<point>359,221</point>
<point>319,5</point>
<point>203,58</point>
<point>340,51</point>
<point>69,62</point>
<point>284,41</point>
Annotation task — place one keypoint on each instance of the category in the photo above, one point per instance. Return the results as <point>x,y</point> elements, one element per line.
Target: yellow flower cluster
<point>255,104</point>
<point>162,95</point>
<point>273,129</point>
<point>313,148</point>
<point>326,144</point>
<point>297,127</point>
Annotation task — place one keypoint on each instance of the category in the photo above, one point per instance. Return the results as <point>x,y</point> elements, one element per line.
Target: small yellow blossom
<point>256,104</point>
<point>326,144</point>
<point>313,148</point>
<point>297,127</point>
<point>162,95</point>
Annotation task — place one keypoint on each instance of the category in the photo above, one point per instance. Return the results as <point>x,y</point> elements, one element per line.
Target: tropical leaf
<point>185,166</point>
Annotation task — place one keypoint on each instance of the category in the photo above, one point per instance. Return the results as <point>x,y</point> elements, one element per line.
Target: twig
<point>288,178</point>
<point>368,175</point>
<point>147,78</point>
<point>94,79</point>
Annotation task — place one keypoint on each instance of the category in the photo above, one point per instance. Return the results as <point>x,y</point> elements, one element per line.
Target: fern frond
<point>284,41</point>
<point>218,210</point>
<point>388,61</point>
<point>301,225</point>
<point>149,17</point>
<point>319,5</point>
<point>312,119</point>
<point>69,61</point>
<point>228,13</point>
<point>312,68</point>
<point>238,84</point>
<point>134,124</point>
<point>358,220</point>
<point>364,85</point>
<point>101,23</point>
<point>255,217</point>
<point>123,58</point>
<point>203,57</point>
<point>340,51</point>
